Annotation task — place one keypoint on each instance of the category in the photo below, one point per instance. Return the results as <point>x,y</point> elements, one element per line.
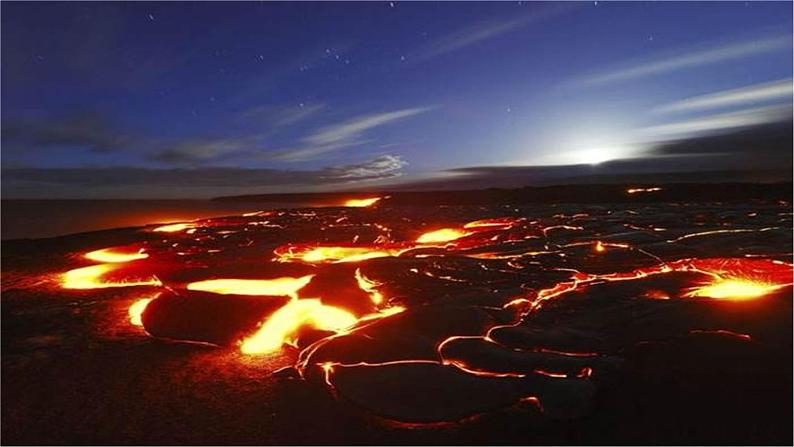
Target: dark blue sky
<point>199,99</point>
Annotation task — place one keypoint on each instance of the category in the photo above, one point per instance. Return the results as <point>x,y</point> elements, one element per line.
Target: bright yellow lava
<point>113,255</point>
<point>733,289</point>
<point>90,278</point>
<point>136,310</point>
<point>442,235</point>
<point>345,254</point>
<point>369,286</point>
<point>361,203</point>
<point>285,286</point>
<point>636,190</point>
<point>174,228</point>
<point>282,327</point>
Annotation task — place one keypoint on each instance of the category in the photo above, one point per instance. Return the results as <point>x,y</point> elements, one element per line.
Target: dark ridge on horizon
<point>585,193</point>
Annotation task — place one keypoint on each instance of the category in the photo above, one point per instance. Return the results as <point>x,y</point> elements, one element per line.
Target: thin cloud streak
<point>751,94</point>
<point>692,59</point>
<point>480,32</point>
<point>718,122</point>
<point>345,134</point>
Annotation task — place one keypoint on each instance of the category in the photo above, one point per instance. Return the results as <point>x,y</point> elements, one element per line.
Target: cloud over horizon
<point>21,182</point>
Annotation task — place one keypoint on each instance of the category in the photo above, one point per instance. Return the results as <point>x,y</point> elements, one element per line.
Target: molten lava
<point>733,289</point>
<point>638,190</point>
<point>91,277</point>
<point>362,203</point>
<point>369,286</point>
<point>267,287</point>
<point>136,310</point>
<point>314,254</point>
<point>283,326</point>
<point>115,255</point>
<point>174,228</point>
<point>442,235</point>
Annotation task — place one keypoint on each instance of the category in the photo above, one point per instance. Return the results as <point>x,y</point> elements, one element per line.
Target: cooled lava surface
<point>370,323</point>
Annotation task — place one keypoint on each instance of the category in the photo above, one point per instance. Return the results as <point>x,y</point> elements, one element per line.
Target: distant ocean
<point>50,218</point>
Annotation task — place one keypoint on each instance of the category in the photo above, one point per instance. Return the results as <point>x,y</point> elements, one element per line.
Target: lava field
<point>371,323</point>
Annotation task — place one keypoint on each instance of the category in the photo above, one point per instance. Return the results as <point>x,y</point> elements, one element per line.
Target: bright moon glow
<point>595,156</point>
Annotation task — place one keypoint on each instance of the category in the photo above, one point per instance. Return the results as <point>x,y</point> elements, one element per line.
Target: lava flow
<point>137,309</point>
<point>362,203</point>
<point>734,289</point>
<point>317,254</point>
<point>283,326</point>
<point>114,255</point>
<point>457,304</point>
<point>268,287</point>
<point>174,228</point>
<point>96,277</point>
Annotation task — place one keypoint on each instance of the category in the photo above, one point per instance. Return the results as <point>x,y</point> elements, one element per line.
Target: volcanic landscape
<point>379,323</point>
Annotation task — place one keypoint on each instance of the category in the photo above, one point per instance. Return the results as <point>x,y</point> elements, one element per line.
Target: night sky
<point>205,99</point>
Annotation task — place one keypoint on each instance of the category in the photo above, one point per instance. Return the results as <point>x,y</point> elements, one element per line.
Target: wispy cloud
<point>345,134</point>
<point>385,166</point>
<point>736,50</point>
<point>483,31</point>
<point>276,117</point>
<point>718,122</point>
<point>86,130</point>
<point>180,182</point>
<point>744,95</point>
<point>196,151</point>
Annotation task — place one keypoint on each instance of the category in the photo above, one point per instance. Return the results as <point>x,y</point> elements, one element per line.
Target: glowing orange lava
<point>362,203</point>
<point>442,235</point>
<point>91,278</point>
<point>369,286</point>
<point>317,254</point>
<point>115,255</point>
<point>174,228</point>
<point>282,327</point>
<point>638,190</point>
<point>136,310</point>
<point>737,289</point>
<point>267,287</point>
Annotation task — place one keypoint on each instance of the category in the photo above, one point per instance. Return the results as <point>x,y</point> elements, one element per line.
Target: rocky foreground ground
<point>567,324</point>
